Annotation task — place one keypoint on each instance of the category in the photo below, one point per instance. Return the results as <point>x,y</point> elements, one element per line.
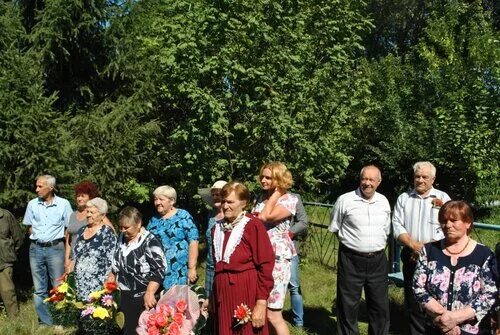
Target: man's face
<point>42,189</point>
<point>370,180</point>
<point>423,180</point>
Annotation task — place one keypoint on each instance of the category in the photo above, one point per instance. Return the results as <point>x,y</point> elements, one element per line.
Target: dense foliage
<point>134,94</point>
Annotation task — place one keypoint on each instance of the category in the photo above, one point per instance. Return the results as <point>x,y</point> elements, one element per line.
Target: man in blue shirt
<point>47,217</point>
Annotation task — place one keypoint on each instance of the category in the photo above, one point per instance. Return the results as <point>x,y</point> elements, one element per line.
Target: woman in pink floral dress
<point>276,208</point>
<point>454,280</point>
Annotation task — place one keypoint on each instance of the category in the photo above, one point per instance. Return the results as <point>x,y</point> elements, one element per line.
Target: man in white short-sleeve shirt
<point>361,219</point>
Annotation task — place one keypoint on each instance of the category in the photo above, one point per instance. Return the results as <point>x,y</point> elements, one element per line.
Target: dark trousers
<point>132,308</point>
<point>355,273</point>
<point>416,315</point>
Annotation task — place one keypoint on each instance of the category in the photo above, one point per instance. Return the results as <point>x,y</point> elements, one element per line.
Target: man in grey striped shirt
<point>415,222</point>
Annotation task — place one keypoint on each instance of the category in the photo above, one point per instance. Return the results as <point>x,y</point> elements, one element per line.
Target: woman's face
<point>94,216</point>
<point>82,199</point>
<point>454,228</point>
<point>216,198</point>
<point>130,229</point>
<point>163,204</point>
<point>232,206</point>
<point>266,180</point>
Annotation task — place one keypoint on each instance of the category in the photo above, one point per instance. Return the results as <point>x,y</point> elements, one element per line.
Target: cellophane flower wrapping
<point>178,312</point>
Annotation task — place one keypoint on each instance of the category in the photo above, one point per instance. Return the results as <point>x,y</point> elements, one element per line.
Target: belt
<point>362,254</point>
<point>48,244</point>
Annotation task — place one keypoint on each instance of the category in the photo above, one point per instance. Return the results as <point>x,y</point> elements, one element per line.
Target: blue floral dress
<point>470,282</point>
<point>93,259</point>
<point>175,233</point>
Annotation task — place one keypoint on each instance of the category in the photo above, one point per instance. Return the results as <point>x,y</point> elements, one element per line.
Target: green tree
<point>235,84</point>
<point>33,136</point>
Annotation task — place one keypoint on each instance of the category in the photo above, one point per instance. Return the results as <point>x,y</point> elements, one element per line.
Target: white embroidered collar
<point>233,241</point>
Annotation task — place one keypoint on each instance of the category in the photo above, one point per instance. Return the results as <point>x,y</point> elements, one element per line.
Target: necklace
<point>458,253</point>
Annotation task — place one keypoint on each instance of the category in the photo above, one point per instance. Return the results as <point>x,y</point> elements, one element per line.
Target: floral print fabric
<point>175,234</point>
<point>93,259</point>
<point>470,282</point>
<point>283,248</point>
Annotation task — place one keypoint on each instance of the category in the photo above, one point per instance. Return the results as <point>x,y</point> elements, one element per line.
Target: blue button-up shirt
<point>47,221</point>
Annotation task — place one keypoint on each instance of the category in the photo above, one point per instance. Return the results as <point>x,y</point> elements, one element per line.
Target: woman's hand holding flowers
<point>259,314</point>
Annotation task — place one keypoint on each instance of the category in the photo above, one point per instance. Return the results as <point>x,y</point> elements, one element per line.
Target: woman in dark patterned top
<point>138,267</point>
<point>94,248</point>
<point>454,280</point>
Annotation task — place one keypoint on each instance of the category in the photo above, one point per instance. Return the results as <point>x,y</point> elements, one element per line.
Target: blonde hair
<point>166,191</point>
<point>280,175</point>
<point>99,203</point>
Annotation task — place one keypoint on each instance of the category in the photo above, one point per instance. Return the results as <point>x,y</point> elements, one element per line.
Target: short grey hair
<point>370,167</point>
<point>166,191</point>
<point>130,214</point>
<point>49,180</point>
<point>99,203</point>
<point>423,164</point>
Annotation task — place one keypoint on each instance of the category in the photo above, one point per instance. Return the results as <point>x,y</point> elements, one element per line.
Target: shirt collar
<point>359,195</point>
<point>432,194</point>
<point>54,201</point>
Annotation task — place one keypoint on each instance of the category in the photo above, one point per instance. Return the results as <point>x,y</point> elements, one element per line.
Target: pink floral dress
<point>283,248</point>
<point>471,282</point>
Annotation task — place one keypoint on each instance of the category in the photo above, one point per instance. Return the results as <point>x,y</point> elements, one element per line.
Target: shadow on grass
<point>317,320</point>
<point>328,324</point>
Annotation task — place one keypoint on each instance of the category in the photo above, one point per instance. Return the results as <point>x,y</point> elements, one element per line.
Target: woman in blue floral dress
<point>178,233</point>
<point>94,249</point>
<point>454,280</point>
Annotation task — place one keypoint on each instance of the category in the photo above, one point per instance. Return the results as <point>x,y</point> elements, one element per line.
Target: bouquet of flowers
<point>178,312</point>
<point>101,315</point>
<point>62,302</point>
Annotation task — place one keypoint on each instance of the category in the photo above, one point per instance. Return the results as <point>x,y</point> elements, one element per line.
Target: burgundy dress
<point>245,279</point>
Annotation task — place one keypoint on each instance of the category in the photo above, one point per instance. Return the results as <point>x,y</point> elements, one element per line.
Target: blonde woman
<point>276,207</point>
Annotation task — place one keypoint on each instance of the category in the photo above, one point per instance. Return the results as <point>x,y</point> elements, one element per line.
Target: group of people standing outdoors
<point>450,280</point>
<point>252,254</point>
<point>251,258</point>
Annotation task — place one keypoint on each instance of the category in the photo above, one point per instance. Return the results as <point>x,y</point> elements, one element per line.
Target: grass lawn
<point>318,286</point>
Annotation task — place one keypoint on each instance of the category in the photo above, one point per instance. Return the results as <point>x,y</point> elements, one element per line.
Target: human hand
<point>446,321</point>
<point>69,266</point>
<point>111,278</point>
<point>416,246</point>
<point>192,276</point>
<point>149,300</point>
<point>259,314</point>
<point>206,306</point>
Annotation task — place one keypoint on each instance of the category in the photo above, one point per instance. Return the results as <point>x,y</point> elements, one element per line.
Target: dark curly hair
<point>87,187</point>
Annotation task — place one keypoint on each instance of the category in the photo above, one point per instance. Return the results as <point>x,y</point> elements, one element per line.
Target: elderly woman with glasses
<point>176,230</point>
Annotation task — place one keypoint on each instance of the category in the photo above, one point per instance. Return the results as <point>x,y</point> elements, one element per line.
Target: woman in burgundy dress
<point>244,262</point>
